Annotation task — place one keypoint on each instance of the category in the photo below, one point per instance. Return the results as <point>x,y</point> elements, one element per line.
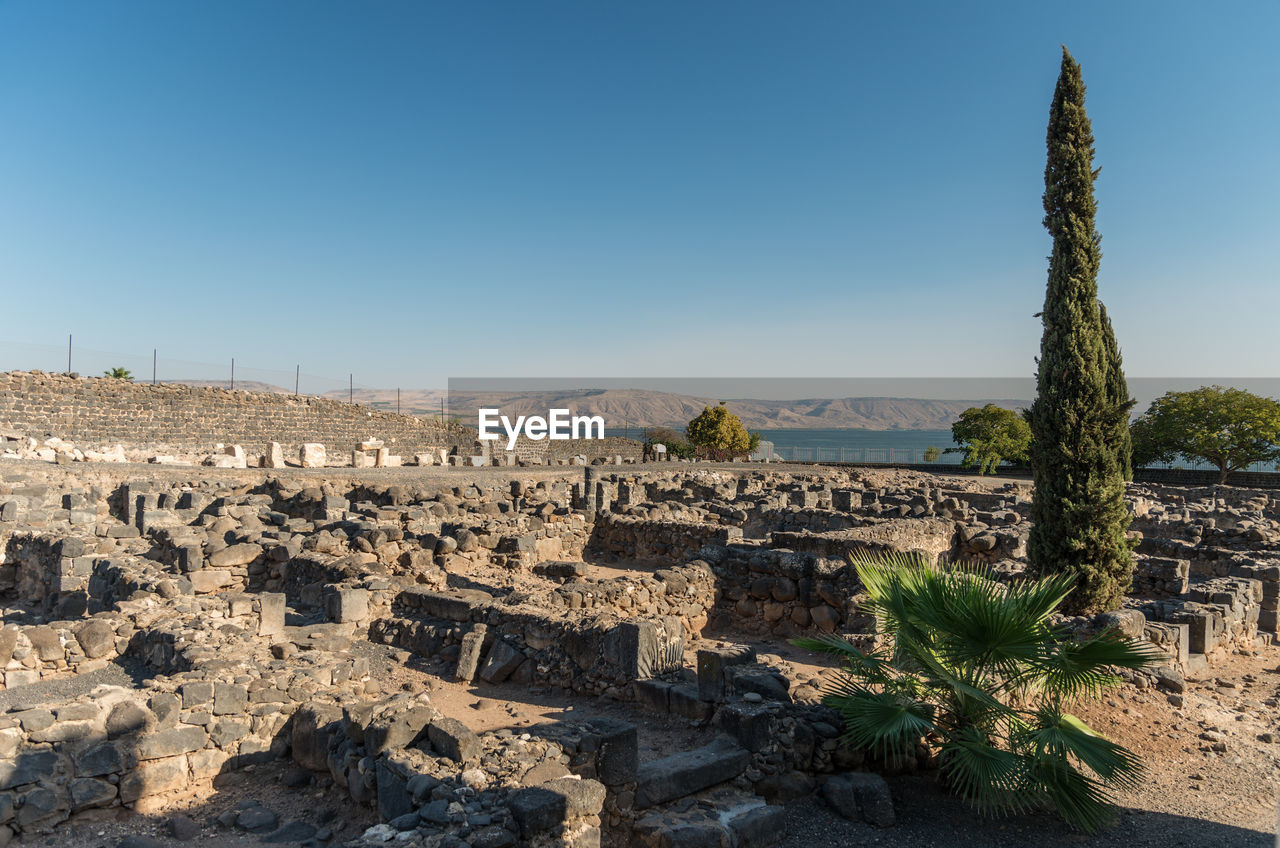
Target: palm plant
<point>119,373</point>
<point>975,667</point>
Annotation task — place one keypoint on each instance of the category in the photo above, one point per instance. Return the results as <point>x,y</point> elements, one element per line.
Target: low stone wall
<point>935,538</point>
<point>101,410</point>
<point>52,569</point>
<point>34,652</point>
<point>595,654</point>
<point>782,592</point>
<point>630,537</point>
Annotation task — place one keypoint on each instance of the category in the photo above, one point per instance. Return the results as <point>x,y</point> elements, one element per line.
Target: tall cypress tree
<point>1078,513</point>
<point>1117,394</point>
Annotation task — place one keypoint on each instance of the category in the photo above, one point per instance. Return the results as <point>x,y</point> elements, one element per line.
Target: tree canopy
<point>988,435</point>
<point>1079,519</point>
<point>720,433</point>
<point>1229,428</point>
<point>119,373</point>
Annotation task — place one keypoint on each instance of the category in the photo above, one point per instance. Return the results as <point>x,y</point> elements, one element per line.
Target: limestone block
<point>274,457</point>
<point>312,455</point>
<point>209,580</point>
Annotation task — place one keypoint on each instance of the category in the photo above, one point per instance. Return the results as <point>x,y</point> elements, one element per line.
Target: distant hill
<point>642,408</point>
<point>241,385</point>
<point>621,407</point>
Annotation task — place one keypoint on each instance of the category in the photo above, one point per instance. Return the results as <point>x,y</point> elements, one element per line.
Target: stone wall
<point>104,410</point>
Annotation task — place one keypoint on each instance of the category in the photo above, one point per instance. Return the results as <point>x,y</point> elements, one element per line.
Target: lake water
<point>897,446</point>
<point>850,445</point>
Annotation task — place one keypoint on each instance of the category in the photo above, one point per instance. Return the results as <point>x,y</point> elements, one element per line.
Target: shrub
<point>119,373</point>
<point>974,667</point>
<point>676,444</point>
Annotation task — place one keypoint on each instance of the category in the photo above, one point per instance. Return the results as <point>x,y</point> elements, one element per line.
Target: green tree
<point>1079,517</point>
<point>720,434</point>
<point>989,435</point>
<point>1229,428</point>
<point>976,667</point>
<point>1117,393</point>
<point>931,454</point>
<point>119,373</point>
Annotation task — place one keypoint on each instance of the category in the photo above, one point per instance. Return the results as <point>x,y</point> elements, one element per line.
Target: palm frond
<point>1072,668</point>
<point>884,722</point>
<point>1062,735</point>
<point>1081,800</point>
<point>981,772</point>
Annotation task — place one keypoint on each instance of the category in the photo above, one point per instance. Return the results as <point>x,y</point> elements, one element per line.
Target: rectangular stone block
<point>348,605</point>
<point>154,778</point>
<point>618,754</point>
<point>312,455</point>
<point>713,664</point>
<point>271,607</point>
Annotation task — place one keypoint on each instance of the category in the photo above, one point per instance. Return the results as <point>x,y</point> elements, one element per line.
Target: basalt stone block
<point>582,796</point>
<point>88,792</point>
<point>41,806</point>
<point>313,726</point>
<point>713,664</point>
<point>759,827</point>
<point>397,730</point>
<point>229,699</point>
<point>154,778</point>
<point>678,775</point>
<point>27,767</point>
<point>503,659</point>
<point>190,558</point>
<point>394,799</point>
<point>618,755</point>
<point>127,717</point>
<point>750,724</point>
<point>235,555</point>
<point>684,702</point>
<point>874,800</point>
<point>469,653</point>
<point>644,649</point>
<point>652,694</point>
<point>846,500</point>
<point>537,810</point>
<point>454,739</point>
<point>182,739</point>
<point>97,637</point>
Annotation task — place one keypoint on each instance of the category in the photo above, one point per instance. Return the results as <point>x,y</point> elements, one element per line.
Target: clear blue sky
<point>413,191</point>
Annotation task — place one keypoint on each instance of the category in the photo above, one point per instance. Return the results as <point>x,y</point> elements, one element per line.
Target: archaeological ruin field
<point>532,651</point>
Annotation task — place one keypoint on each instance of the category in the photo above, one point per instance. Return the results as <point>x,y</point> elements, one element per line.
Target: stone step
<point>723,818</point>
<point>683,774</point>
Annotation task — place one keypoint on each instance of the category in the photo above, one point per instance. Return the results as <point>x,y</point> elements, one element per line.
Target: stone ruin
<point>247,614</point>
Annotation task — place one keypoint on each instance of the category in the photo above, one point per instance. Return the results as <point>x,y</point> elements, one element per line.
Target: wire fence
<point>156,367</point>
<point>918,456</point>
